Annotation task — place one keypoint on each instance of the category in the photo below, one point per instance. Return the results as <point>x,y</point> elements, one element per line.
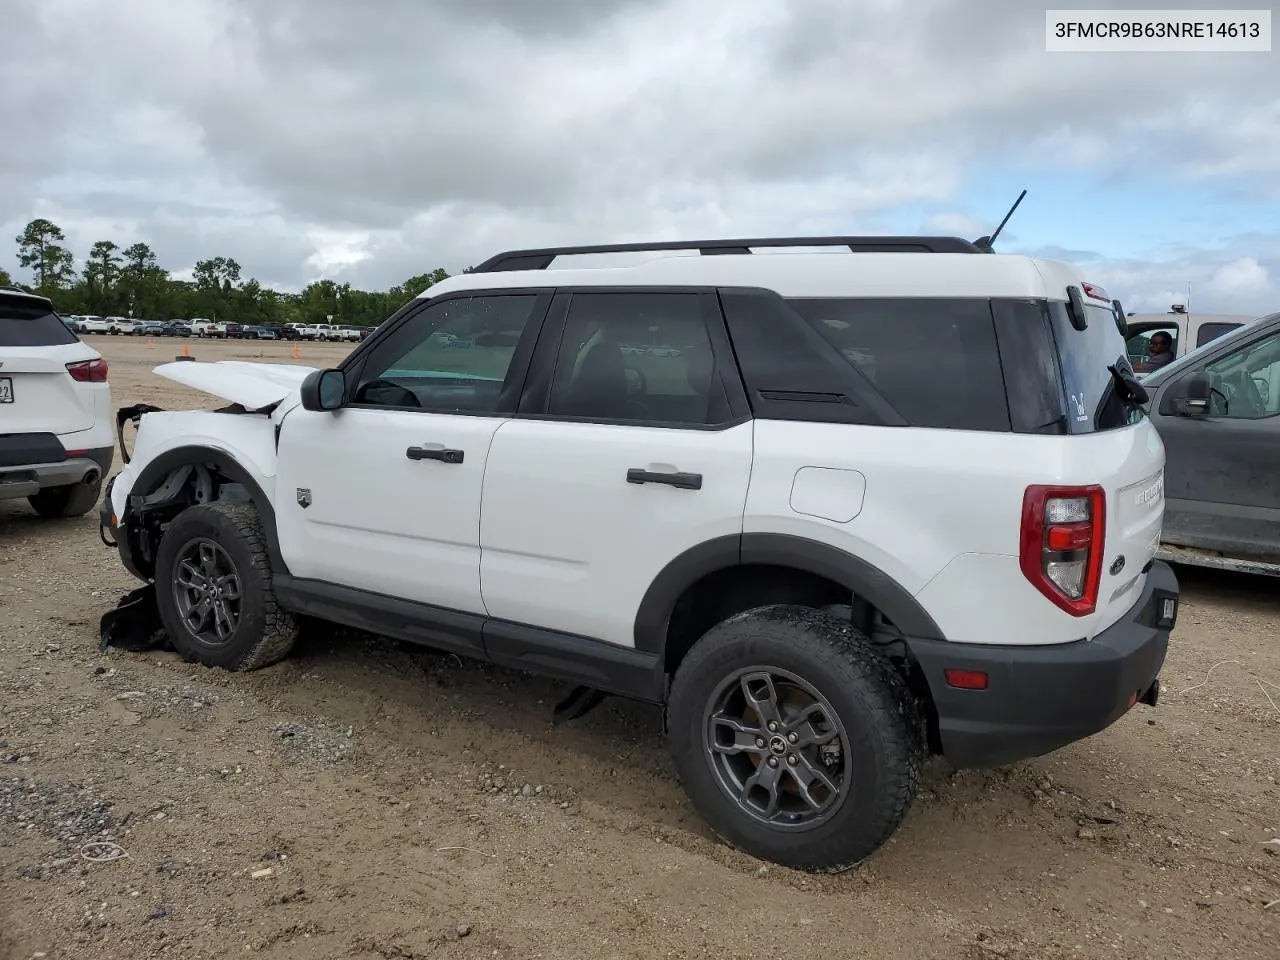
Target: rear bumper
<point>1039,698</point>
<point>49,469</point>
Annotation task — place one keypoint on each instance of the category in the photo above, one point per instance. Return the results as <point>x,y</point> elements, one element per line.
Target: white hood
<point>249,384</point>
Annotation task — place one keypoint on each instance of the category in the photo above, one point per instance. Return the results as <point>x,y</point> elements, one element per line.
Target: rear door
<point>36,393</point>
<point>1223,473</point>
<point>633,444</point>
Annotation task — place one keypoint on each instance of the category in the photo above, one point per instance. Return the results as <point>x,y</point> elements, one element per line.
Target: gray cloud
<point>378,139</point>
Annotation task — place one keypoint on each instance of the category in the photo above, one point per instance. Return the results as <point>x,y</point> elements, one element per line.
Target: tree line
<point>115,281</point>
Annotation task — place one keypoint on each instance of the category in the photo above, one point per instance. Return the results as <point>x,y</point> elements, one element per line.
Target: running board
<point>1195,557</point>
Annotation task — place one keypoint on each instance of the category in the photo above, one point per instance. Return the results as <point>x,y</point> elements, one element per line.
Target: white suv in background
<point>56,441</point>
<point>841,510</point>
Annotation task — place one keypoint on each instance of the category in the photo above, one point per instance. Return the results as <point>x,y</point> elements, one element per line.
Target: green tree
<point>101,273</point>
<point>5,279</point>
<point>40,248</point>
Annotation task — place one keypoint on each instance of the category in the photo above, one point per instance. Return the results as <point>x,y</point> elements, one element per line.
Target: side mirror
<point>1193,400</point>
<point>324,390</point>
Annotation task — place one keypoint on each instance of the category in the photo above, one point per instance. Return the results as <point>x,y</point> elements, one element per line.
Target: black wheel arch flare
<point>783,550</point>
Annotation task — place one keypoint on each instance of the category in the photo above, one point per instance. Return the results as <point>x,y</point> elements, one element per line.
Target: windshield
<point>1085,356</point>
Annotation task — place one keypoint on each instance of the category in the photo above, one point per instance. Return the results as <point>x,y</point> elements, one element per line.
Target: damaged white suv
<point>834,509</point>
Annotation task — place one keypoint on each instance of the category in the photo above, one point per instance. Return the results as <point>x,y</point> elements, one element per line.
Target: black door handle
<point>685,481</point>
<point>443,454</point>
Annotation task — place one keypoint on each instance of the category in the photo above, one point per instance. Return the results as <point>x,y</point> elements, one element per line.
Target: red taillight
<point>1063,529</point>
<point>88,371</point>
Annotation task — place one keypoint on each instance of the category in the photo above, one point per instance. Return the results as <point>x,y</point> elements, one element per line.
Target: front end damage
<point>142,500</point>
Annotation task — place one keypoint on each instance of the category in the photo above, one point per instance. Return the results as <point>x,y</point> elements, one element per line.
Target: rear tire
<point>832,780</point>
<point>72,500</point>
<point>213,589</point>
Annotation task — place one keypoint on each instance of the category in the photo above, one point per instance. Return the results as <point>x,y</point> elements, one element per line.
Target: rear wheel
<point>72,500</point>
<point>213,589</point>
<point>794,738</point>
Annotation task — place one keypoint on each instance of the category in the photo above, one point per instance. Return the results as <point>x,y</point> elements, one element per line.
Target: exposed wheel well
<point>720,595</point>
<point>175,487</point>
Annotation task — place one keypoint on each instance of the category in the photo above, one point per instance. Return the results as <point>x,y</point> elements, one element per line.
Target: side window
<point>934,360</point>
<point>1140,347</point>
<point>1212,331</point>
<point>1246,382</point>
<point>452,357</point>
<point>638,356</point>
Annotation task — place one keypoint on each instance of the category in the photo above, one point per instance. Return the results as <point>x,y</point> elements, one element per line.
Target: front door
<point>383,494</point>
<point>1222,475</point>
<point>631,453</point>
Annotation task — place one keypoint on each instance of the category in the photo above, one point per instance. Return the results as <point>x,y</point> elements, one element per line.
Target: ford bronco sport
<point>835,503</point>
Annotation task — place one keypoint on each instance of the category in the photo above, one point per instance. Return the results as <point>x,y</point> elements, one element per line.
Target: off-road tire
<point>870,699</point>
<point>72,500</point>
<point>265,632</point>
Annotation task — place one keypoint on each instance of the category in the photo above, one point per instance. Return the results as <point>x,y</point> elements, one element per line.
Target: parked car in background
<point>56,439</point>
<point>207,328</point>
<point>232,330</point>
<point>288,331</point>
<point>257,333</point>
<point>175,328</point>
<point>151,328</point>
<point>122,325</point>
<point>92,323</point>
<point>1187,332</point>
<point>1217,410</point>
<point>319,331</point>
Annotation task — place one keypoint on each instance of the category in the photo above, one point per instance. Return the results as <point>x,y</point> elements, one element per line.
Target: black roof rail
<point>541,258</point>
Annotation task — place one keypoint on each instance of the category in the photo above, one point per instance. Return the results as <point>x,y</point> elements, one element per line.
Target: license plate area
<point>6,390</point>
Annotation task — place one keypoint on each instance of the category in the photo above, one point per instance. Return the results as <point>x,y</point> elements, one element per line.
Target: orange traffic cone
<point>297,354</point>
<point>151,344</point>
<point>186,353</point>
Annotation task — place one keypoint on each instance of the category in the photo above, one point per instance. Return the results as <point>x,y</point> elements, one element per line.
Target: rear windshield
<point>1093,403</point>
<point>28,323</point>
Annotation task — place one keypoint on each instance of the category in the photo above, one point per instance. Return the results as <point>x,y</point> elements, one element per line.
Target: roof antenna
<point>985,244</point>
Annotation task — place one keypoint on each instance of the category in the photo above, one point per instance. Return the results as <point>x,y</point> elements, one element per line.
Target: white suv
<point>56,443</point>
<point>844,509</point>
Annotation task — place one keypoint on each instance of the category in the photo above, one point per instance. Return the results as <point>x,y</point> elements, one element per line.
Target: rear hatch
<point>1117,449</point>
<point>36,392</point>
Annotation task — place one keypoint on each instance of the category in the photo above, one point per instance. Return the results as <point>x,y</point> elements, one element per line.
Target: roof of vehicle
<point>799,267</point>
<point>12,291</point>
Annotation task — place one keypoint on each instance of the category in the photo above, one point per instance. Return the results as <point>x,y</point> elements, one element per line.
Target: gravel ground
<point>368,800</point>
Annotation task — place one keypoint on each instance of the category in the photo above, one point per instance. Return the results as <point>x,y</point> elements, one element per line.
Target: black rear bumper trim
<point>1041,698</point>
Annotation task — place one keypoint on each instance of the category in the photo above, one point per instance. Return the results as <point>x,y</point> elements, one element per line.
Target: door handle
<point>685,481</point>
<point>443,454</point>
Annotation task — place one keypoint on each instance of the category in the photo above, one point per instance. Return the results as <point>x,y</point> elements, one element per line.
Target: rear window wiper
<point>1129,388</point>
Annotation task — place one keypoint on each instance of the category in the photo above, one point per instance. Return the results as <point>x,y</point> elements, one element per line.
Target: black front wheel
<point>794,738</point>
<point>213,589</point>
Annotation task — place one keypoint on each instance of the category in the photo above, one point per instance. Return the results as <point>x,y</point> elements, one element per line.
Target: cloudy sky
<point>370,141</point>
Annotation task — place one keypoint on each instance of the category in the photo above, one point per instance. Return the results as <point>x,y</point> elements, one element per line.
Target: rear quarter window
<point>934,360</point>
<point>29,323</point>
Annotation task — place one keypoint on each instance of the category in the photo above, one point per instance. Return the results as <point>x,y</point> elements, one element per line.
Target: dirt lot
<point>364,800</point>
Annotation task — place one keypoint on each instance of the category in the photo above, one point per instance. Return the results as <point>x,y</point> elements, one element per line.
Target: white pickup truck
<point>201,327</point>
